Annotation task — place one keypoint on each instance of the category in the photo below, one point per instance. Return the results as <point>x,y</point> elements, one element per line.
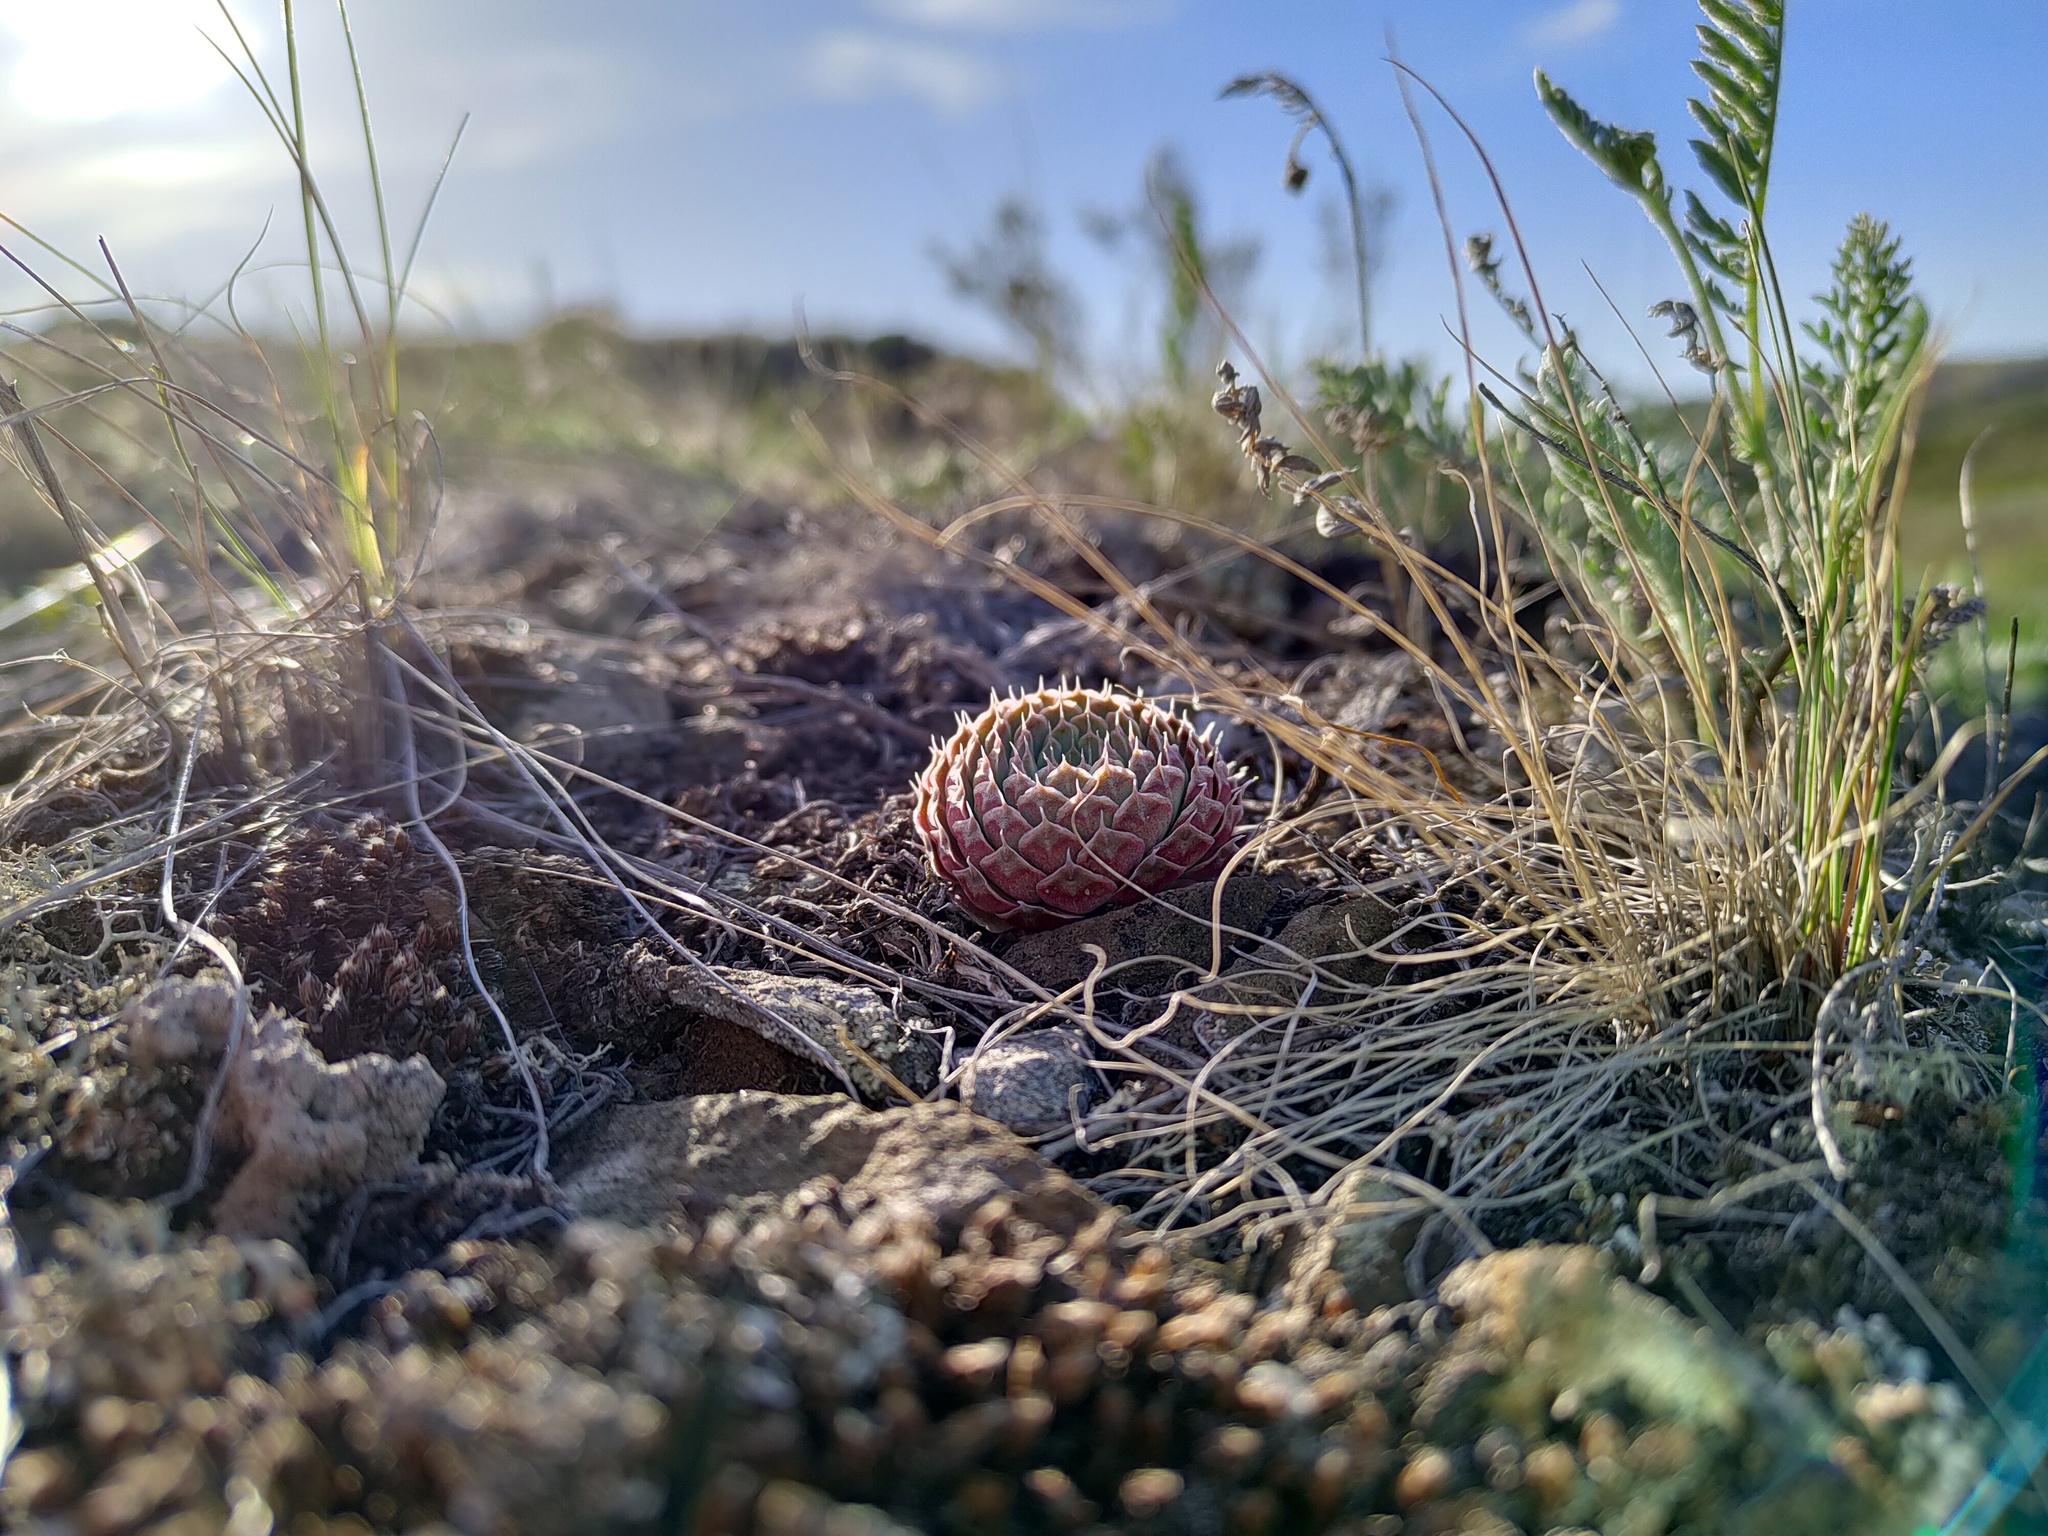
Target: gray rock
<point>1165,937</point>
<point>640,1162</point>
<point>1334,938</point>
<point>1336,935</point>
<point>1360,1241</point>
<point>851,1031</point>
<point>1035,1083</point>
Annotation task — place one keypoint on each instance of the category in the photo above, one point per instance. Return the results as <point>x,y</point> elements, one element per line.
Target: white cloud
<point>141,196</point>
<point>1579,22</point>
<point>862,66</point>
<point>453,292</point>
<point>530,106</point>
<point>179,166</point>
<point>1013,15</point>
<point>90,180</point>
<point>84,60</point>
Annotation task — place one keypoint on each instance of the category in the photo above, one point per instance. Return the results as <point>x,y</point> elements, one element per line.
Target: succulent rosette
<point>1059,804</point>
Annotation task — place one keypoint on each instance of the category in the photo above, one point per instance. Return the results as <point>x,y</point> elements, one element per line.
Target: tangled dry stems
<point>1539,1037</point>
<point>1578,998</point>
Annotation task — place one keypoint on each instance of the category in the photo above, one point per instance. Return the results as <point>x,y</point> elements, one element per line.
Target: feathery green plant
<point>1761,558</point>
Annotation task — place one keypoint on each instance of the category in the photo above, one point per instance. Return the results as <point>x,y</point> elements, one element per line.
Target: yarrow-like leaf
<point>1742,45</point>
<point>1873,332</point>
<point>1629,155</point>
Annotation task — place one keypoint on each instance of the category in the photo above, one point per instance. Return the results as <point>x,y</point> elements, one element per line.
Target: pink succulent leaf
<point>1005,824</point>
<point>977,890</point>
<point>1041,803</point>
<point>1088,815</point>
<point>1116,851</point>
<point>984,795</point>
<point>1145,815</point>
<point>1069,780</point>
<point>1168,779</point>
<point>1012,874</point>
<point>1118,783</point>
<point>1076,890</point>
<point>1157,874</point>
<point>1049,846</point>
<point>1187,844</point>
<point>1064,802</point>
<point>1204,814</point>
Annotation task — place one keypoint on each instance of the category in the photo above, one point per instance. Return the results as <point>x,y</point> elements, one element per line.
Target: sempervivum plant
<point>1067,801</point>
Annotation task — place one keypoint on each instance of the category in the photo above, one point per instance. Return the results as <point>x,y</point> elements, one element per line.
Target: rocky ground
<point>779,1252</point>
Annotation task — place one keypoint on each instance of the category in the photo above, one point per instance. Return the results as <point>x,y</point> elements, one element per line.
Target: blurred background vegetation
<point>577,400</point>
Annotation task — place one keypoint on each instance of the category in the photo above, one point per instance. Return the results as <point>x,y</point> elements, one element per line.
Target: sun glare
<point>82,60</point>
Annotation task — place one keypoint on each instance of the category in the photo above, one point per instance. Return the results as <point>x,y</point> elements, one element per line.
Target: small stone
<point>39,1481</point>
<point>789,1509</point>
<point>1149,1491</point>
<point>1882,1403</point>
<point>1665,1450</point>
<point>1550,1470</point>
<point>1427,1476</point>
<point>1272,1390</point>
<point>1145,1282</point>
<point>983,1498</point>
<point>1065,1323</point>
<point>1071,1374</point>
<point>1254,1512</point>
<point>1027,1360</point>
<point>1234,1450</point>
<point>1036,1083</point>
<point>1131,1331</point>
<point>1328,1481</point>
<point>1602,1440</point>
<point>1062,1500</point>
<point>974,1366</point>
<point>1217,1325</point>
<point>1031,1414</point>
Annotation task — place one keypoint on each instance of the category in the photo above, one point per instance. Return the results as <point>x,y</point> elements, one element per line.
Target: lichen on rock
<point>1036,1083</point>
<point>308,1131</point>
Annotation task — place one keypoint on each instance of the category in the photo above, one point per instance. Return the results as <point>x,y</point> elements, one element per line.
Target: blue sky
<point>716,163</point>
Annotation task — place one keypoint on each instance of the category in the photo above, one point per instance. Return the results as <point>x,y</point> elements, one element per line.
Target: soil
<point>744,714</point>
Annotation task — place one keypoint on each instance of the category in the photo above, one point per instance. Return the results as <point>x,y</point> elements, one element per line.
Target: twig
<point>210,1108</point>
<point>425,827</point>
